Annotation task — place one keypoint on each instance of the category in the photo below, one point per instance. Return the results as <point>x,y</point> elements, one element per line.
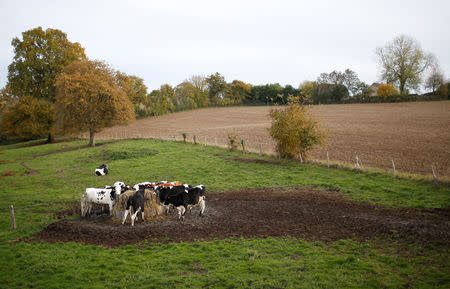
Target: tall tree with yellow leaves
<point>38,58</point>
<point>89,99</point>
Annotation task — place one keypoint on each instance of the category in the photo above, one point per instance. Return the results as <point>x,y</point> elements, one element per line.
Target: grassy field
<point>42,179</point>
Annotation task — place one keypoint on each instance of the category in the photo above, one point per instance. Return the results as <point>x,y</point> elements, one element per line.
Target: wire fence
<point>260,147</point>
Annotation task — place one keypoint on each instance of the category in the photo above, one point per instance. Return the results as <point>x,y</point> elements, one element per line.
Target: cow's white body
<point>105,196</point>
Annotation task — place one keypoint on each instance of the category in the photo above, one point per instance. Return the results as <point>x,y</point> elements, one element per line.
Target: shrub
<point>232,141</point>
<point>443,90</point>
<point>295,131</point>
<point>386,90</point>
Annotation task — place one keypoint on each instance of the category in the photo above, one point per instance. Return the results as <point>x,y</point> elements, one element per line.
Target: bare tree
<point>402,62</point>
<point>435,79</point>
<point>348,78</point>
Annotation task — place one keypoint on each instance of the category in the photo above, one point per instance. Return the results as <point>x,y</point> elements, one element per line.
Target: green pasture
<point>60,172</point>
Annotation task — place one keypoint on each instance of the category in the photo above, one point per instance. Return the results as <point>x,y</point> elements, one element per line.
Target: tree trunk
<point>402,86</point>
<point>50,138</point>
<point>91,138</point>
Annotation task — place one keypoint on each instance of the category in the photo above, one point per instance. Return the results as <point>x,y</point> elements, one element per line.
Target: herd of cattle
<point>183,197</point>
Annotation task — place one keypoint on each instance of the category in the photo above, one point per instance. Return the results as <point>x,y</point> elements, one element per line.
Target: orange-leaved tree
<point>294,130</point>
<point>89,99</point>
<point>386,90</point>
<point>27,118</point>
<point>38,58</point>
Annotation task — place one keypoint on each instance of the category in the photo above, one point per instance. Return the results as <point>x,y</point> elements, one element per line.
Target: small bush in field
<point>295,131</point>
<point>232,141</point>
<point>386,90</point>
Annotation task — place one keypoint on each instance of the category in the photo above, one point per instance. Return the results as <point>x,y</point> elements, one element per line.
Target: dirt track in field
<point>415,135</point>
<point>298,212</point>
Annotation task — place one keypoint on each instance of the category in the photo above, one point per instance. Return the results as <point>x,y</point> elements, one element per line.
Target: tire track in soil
<point>60,171</point>
<point>298,212</point>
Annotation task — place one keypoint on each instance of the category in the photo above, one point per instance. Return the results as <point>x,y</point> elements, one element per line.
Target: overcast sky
<point>257,42</point>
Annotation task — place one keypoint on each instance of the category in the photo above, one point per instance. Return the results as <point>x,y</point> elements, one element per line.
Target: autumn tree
<point>27,118</point>
<point>294,130</point>
<point>236,92</point>
<point>136,91</point>
<point>6,99</point>
<point>186,95</point>
<point>202,91</point>
<point>386,90</point>
<point>161,100</point>
<point>89,99</point>
<point>402,62</point>
<point>38,58</point>
<point>216,85</point>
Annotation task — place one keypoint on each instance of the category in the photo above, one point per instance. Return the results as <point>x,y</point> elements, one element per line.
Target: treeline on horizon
<point>212,91</point>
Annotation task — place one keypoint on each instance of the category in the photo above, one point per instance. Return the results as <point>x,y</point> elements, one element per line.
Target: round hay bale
<point>153,208</point>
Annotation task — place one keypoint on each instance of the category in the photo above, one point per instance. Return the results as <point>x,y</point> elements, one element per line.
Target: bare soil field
<point>290,211</point>
<point>414,134</point>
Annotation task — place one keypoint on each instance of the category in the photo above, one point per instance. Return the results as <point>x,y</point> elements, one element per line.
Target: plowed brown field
<point>416,135</point>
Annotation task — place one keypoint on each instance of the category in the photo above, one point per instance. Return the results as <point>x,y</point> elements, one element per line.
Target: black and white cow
<point>106,196</point>
<point>196,197</point>
<point>182,198</point>
<point>173,195</point>
<point>137,201</point>
<point>101,170</point>
<point>122,186</point>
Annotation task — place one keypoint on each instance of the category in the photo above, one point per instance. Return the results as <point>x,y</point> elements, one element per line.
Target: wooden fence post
<point>260,149</point>
<point>205,140</point>
<point>328,161</point>
<point>357,163</point>
<point>13,218</point>
<point>434,177</point>
<point>301,158</point>
<point>243,145</point>
<point>393,168</point>
<point>215,142</point>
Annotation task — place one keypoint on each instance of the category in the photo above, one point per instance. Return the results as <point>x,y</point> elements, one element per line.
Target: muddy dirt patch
<point>298,212</point>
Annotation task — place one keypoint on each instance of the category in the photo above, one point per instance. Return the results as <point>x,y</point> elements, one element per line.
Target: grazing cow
<point>137,201</point>
<point>101,170</point>
<point>106,196</point>
<point>196,197</point>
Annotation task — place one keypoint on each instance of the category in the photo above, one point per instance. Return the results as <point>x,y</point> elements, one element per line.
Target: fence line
<point>249,147</point>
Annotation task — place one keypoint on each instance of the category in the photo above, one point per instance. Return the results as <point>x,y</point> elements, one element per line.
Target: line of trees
<point>53,88</point>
